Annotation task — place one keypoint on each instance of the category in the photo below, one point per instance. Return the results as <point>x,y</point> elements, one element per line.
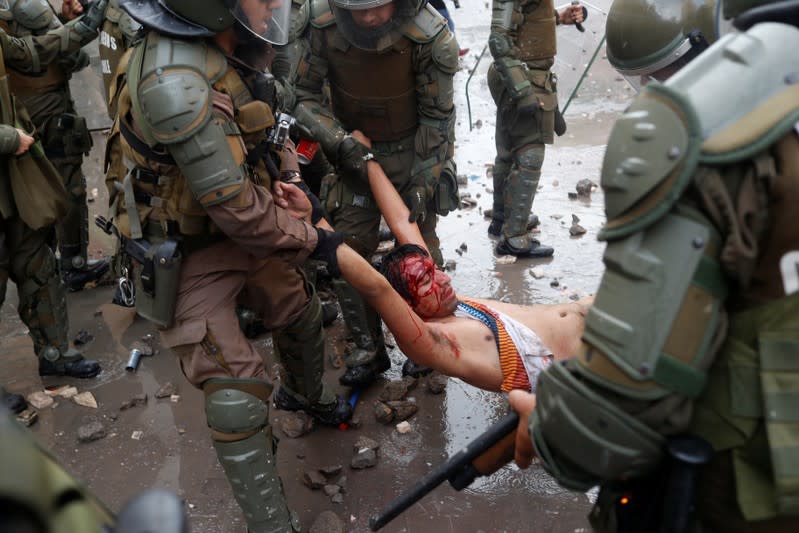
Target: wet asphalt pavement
<point>174,449</point>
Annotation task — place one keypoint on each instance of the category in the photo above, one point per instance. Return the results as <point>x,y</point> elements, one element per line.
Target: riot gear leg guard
<point>238,415</point>
<point>520,191</point>
<point>301,347</point>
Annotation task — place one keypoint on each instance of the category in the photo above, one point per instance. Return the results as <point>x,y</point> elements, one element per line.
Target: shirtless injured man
<point>489,344</point>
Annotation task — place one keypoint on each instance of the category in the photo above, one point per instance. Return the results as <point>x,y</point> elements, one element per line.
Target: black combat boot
<point>71,364</point>
<point>333,414</point>
<point>77,278</point>
<point>366,373</point>
<point>524,247</point>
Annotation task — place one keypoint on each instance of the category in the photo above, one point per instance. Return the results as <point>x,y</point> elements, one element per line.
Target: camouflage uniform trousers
<point>28,261</point>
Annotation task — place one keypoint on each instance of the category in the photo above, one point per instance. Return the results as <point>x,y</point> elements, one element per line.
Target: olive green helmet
<point>373,38</point>
<point>268,20</point>
<point>652,39</point>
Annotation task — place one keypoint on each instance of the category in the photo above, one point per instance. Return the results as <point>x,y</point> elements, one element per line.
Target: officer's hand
<point>292,199</point>
<point>523,403</point>
<point>572,15</point>
<point>288,158</point>
<point>25,142</point>
<point>351,157</point>
<point>94,16</point>
<point>326,247</point>
<point>416,200</point>
<point>71,9</point>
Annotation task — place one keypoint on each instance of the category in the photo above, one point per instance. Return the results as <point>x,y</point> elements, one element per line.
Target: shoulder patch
<point>742,117</point>
<point>424,27</point>
<point>651,154</point>
<point>320,14</point>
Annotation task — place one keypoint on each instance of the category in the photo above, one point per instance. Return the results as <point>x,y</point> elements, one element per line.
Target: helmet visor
<point>268,20</point>
<point>693,45</point>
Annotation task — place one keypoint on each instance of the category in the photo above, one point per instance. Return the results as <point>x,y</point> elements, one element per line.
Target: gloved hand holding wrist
<point>416,200</point>
<point>351,157</point>
<point>326,247</point>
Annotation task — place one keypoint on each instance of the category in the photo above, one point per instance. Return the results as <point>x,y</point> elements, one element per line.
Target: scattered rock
<point>314,479</point>
<point>139,399</point>
<point>437,383</point>
<point>175,398</point>
<point>82,338</point>
<point>327,522</point>
<point>331,490</point>
<point>555,183</point>
<point>467,202</point>
<point>65,391</point>
<point>403,409</point>
<point>478,123</point>
<point>506,259</point>
<point>113,417</point>
<point>86,399</point>
<point>342,483</point>
<point>91,431</point>
<point>145,348</point>
<point>331,470</point>
<point>166,390</point>
<point>27,417</point>
<point>450,265</point>
<point>554,283</point>
<point>463,246</point>
<point>584,187</point>
<point>397,389</point>
<point>296,423</point>
<point>40,399</point>
<point>537,272</point>
<point>364,458</point>
<point>383,413</point>
<point>572,195</point>
<point>365,442</point>
<point>137,435</point>
<point>337,498</point>
<point>403,427</point>
<point>462,179</point>
<point>576,228</point>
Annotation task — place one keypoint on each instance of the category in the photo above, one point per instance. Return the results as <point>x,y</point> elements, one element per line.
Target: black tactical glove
<point>326,247</point>
<point>317,211</point>
<point>351,157</point>
<point>416,200</point>
<point>89,23</point>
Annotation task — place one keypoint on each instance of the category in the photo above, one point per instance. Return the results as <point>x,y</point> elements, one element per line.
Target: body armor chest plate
<point>535,37</point>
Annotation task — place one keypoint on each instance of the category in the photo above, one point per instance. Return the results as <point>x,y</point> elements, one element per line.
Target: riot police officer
<point>390,66</point>
<point>648,40</point>
<point>523,45</point>
<point>197,134</point>
<point>25,255</point>
<point>694,327</point>
<point>44,90</point>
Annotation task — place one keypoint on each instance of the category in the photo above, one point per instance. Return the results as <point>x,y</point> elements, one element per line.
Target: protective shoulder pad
<point>651,155</point>
<point>170,86</point>
<point>300,16</point>
<point>745,90</point>
<point>321,16</point>
<point>445,52</point>
<point>424,27</point>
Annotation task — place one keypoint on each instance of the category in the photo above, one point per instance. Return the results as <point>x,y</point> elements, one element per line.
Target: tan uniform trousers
<point>206,335</point>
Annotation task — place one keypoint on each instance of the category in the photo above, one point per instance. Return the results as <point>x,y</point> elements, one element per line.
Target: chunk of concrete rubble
<point>146,349</point>
<point>365,442</point>
<point>314,479</point>
<point>436,383</point>
<point>166,390</point>
<point>295,424</point>
<point>364,458</point>
<point>331,490</point>
<point>576,228</point>
<point>450,265</point>
<point>383,413</point>
<point>397,389</point>
<point>537,272</point>
<point>139,399</point>
<point>403,427</point>
<point>331,470</point>
<point>92,431</point>
<point>337,498</point>
<point>40,399</point>
<point>86,399</point>
<point>506,259</point>
<point>82,338</point>
<point>584,187</point>
<point>27,417</point>
<point>65,391</point>
<point>403,409</point>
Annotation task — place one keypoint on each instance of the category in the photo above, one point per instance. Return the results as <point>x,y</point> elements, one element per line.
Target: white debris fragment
<point>403,427</point>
